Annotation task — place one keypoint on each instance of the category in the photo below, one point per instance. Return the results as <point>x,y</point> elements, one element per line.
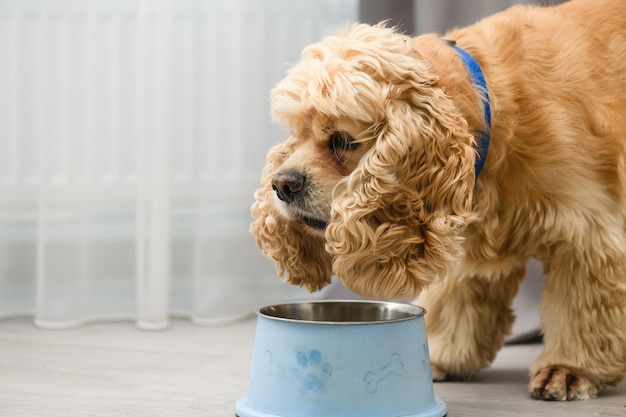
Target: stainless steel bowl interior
<point>342,312</point>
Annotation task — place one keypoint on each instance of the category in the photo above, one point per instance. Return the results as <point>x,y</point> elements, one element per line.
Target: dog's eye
<point>341,142</point>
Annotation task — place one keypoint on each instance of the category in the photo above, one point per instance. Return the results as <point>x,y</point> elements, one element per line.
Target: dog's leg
<point>584,324</point>
<point>467,321</point>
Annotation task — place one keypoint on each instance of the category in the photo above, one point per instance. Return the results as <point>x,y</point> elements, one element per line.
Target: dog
<point>435,167</point>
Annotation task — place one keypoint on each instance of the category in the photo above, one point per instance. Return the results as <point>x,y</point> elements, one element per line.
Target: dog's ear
<point>397,221</point>
<point>298,254</point>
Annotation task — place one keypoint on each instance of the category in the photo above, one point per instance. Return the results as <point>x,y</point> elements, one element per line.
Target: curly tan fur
<point>382,143</point>
<point>286,242</point>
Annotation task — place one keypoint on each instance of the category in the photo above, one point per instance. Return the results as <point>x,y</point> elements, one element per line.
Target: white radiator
<point>132,136</point>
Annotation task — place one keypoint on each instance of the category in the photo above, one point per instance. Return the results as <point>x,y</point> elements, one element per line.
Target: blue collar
<point>482,146</point>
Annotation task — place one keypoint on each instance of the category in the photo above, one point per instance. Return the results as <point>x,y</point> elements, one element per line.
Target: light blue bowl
<point>341,359</point>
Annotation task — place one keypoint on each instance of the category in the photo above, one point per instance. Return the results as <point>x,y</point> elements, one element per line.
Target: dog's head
<point>375,180</point>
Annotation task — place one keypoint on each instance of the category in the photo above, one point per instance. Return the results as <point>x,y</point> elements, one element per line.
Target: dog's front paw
<point>438,373</point>
<point>558,383</point>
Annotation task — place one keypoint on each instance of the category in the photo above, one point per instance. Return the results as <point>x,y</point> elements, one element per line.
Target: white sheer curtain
<point>132,136</point>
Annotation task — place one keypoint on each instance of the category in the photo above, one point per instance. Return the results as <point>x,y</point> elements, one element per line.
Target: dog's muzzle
<point>289,187</point>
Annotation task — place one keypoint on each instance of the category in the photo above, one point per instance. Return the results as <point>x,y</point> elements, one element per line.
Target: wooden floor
<point>114,369</point>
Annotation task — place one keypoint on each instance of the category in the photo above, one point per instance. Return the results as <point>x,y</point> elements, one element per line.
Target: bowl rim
<point>411,311</point>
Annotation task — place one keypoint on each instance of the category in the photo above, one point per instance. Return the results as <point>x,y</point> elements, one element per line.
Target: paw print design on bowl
<point>311,373</point>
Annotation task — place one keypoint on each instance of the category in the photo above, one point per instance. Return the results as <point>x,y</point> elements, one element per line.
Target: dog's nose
<point>287,185</point>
